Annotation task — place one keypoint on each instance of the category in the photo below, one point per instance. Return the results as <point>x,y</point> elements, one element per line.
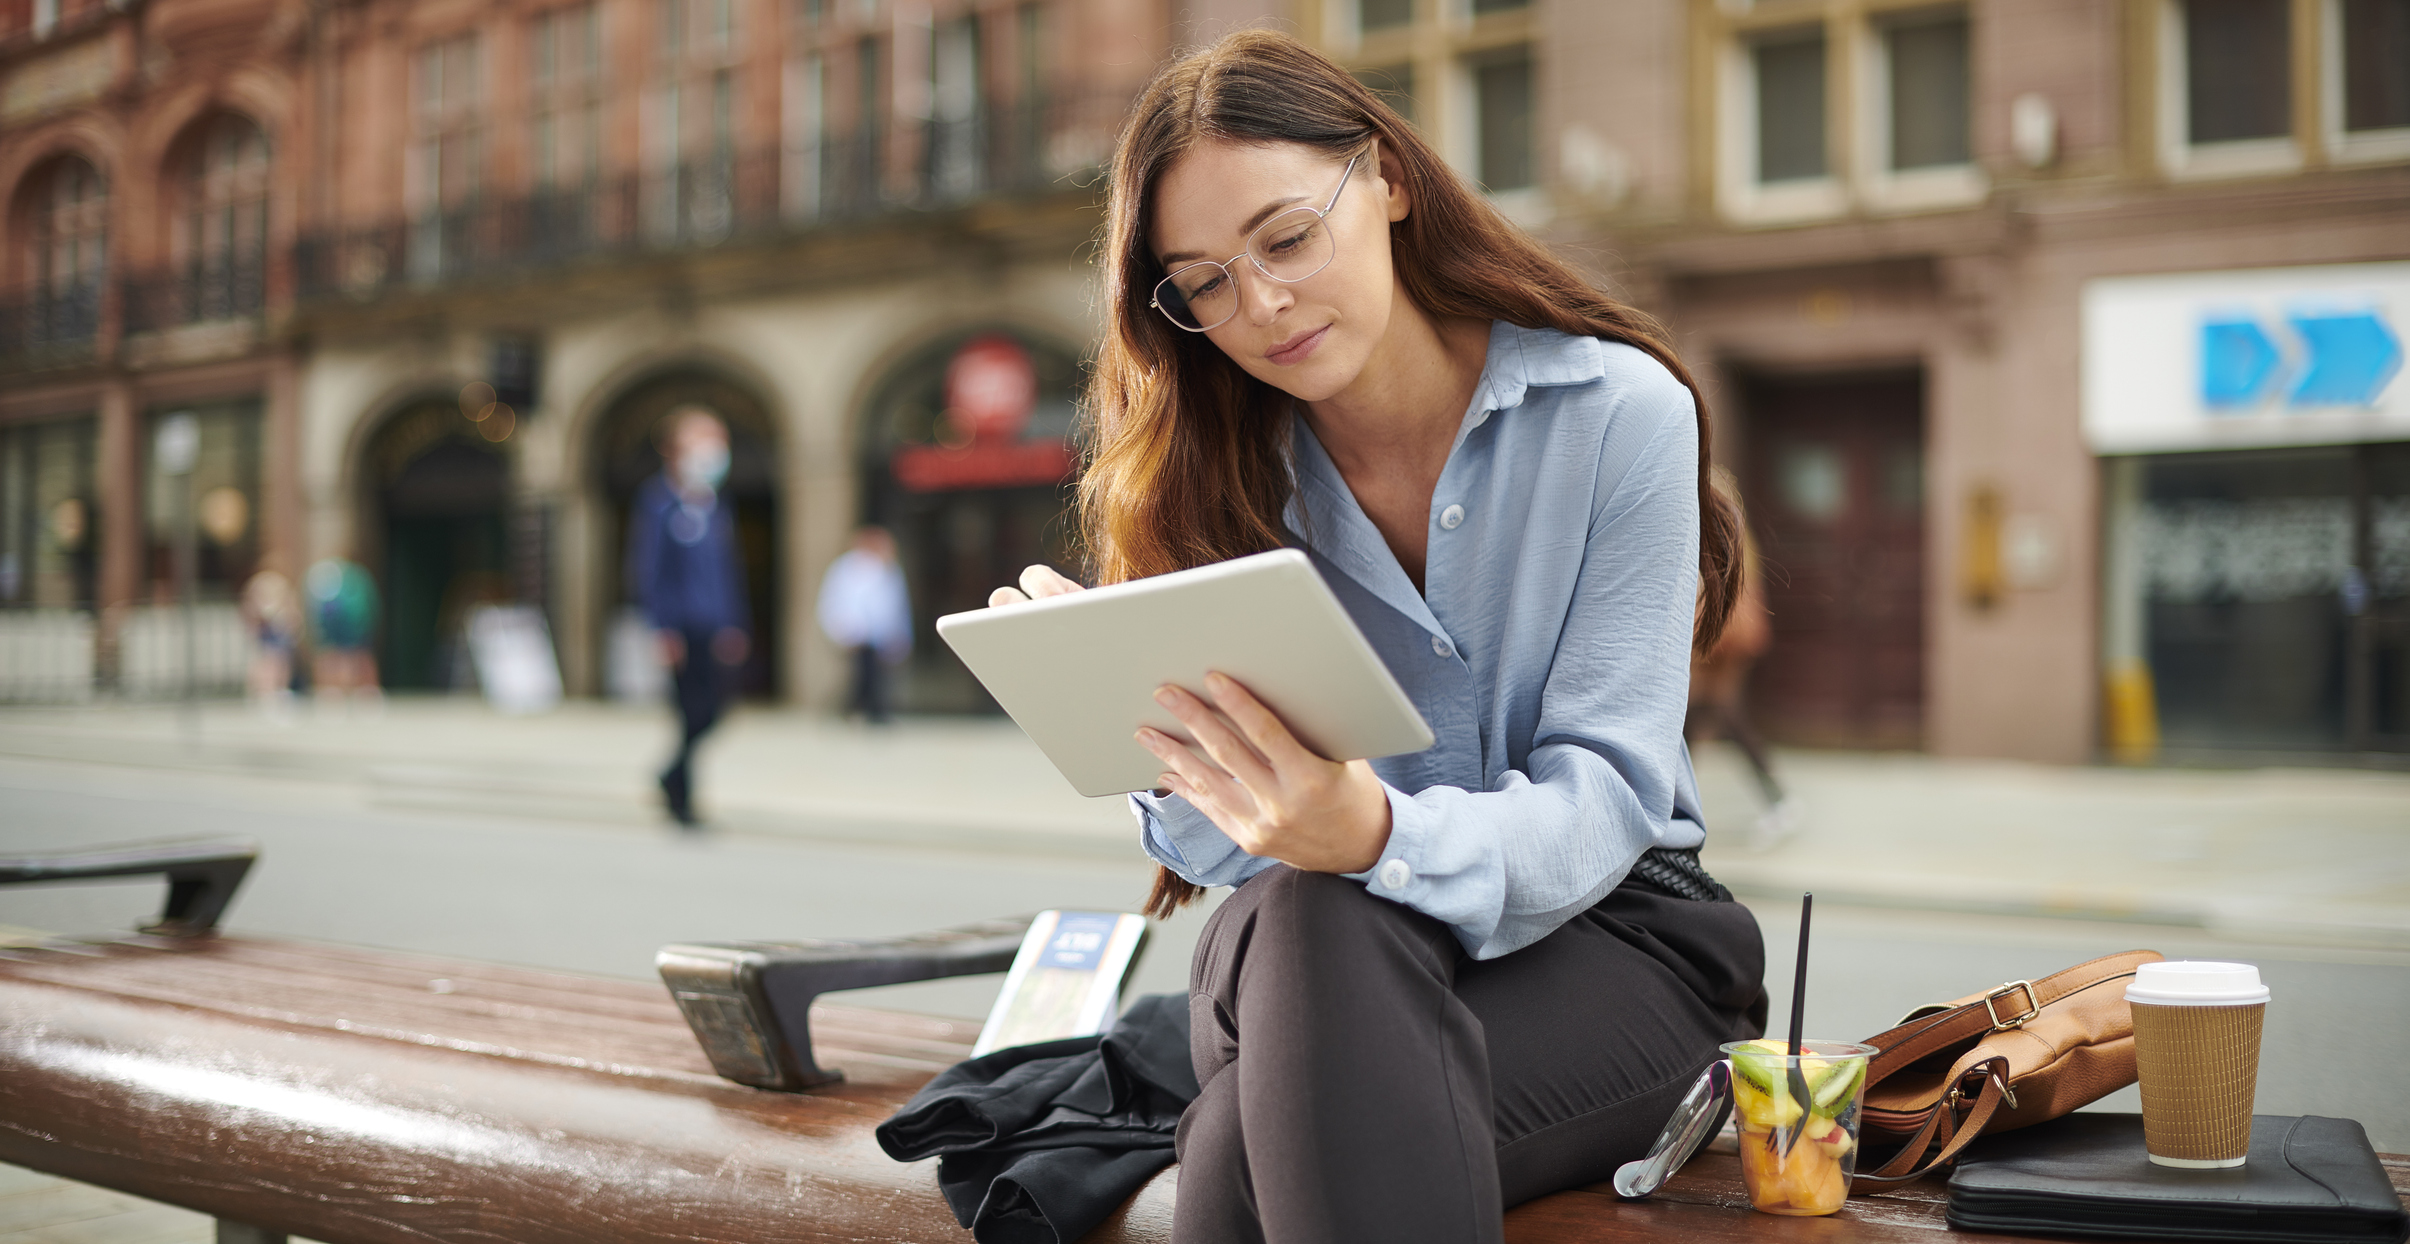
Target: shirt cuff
<point>1397,875</point>
<point>1150,830</point>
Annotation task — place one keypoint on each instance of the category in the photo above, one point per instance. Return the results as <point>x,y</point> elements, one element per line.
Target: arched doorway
<point>971,495</point>
<point>626,452</point>
<point>439,483</point>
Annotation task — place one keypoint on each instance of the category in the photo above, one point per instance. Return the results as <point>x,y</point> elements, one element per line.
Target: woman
<point>1451,981</point>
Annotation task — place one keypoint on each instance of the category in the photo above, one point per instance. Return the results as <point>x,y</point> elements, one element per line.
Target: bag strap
<point>1903,1166</point>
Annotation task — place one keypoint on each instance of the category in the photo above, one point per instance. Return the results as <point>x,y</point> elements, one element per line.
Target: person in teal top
<point>343,608</point>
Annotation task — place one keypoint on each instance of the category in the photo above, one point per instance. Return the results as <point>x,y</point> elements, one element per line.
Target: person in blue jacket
<point>683,571</point>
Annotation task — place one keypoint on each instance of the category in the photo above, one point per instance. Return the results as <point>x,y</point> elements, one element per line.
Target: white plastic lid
<point>2196,982</point>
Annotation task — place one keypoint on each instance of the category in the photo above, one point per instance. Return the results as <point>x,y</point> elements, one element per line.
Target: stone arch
<point>614,448</point>
<point>432,485</point>
<point>96,144</point>
<point>968,507</point>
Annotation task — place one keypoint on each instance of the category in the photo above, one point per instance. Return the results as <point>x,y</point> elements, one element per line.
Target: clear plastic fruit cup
<point>1798,1159</point>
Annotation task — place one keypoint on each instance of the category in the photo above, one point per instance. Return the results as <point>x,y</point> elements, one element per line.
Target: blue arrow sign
<point>2237,360</point>
<point>2351,356</point>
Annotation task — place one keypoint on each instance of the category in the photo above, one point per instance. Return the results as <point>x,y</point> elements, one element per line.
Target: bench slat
<point>330,1093</point>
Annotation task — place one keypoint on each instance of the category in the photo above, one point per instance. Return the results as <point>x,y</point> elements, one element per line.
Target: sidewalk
<point>2295,855</point>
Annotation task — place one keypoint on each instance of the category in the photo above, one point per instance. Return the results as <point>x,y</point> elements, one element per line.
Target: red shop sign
<point>991,389</point>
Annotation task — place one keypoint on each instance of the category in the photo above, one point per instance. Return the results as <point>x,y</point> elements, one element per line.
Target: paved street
<point>438,827</point>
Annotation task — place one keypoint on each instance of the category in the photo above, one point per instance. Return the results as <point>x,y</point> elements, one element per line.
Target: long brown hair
<point>1188,455</point>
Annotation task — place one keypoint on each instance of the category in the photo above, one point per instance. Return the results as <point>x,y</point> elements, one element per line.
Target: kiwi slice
<point>1764,1071</point>
<point>1839,1081</point>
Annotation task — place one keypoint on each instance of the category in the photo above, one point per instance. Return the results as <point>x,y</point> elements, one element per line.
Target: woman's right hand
<point>1037,583</point>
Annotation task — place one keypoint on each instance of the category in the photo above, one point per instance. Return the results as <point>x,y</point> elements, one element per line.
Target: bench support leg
<point>238,1233</point>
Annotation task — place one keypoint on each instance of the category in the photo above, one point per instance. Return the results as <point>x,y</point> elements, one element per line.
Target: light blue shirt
<point>1549,649</point>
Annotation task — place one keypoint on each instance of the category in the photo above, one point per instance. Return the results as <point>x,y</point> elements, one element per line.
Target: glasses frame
<point>1229,270</point>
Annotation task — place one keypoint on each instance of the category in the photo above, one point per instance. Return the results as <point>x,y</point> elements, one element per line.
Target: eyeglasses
<point>1287,248</point>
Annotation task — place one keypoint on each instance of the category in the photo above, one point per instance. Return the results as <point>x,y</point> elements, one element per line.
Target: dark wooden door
<point>1834,479</point>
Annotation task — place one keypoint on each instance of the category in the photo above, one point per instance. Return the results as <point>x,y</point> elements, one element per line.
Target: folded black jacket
<point>1039,1143</point>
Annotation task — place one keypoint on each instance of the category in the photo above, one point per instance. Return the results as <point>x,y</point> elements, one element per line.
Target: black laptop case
<point>2308,1179</point>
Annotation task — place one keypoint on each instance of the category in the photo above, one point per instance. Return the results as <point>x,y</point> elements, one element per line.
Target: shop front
<point>2254,432</point>
<point>967,460</point>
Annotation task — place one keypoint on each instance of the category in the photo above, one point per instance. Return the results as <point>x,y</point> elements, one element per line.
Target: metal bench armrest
<point>202,875</point>
<point>750,1003</point>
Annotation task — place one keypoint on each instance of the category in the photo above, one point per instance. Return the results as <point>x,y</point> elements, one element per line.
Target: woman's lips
<point>1295,349</point>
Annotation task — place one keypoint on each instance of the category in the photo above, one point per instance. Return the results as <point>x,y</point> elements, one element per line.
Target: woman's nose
<point>1263,297</point>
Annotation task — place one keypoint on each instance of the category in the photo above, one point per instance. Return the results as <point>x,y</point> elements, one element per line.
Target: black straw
<point>1794,1079</point>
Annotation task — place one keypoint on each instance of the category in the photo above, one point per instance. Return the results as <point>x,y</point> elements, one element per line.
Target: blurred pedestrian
<point>343,623</point>
<point>865,609</point>
<point>273,616</point>
<point>1719,676</point>
<point>684,572</point>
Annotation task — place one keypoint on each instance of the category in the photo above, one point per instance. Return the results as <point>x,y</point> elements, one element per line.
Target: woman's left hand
<point>1263,788</point>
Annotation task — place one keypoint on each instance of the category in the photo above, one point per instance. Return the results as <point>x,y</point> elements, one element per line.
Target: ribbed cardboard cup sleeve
<point>2199,1068</point>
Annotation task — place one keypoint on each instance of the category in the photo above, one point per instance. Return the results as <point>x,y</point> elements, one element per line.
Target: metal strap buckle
<point>1957,1092</point>
<point>2033,1005</point>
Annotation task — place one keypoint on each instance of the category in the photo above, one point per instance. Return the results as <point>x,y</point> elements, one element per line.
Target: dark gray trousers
<point>1363,1079</point>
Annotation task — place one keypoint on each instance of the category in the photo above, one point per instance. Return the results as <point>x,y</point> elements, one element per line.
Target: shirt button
<point>1451,518</point>
<point>1395,874</point>
<point>1439,647</point>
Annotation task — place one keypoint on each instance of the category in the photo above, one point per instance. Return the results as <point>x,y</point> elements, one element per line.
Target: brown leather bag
<point>2024,1053</point>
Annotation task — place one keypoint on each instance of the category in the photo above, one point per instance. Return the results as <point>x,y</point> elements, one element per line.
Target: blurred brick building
<point>2055,341</point>
<point>430,272</point>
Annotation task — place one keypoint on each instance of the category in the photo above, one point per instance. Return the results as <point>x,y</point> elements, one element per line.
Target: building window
<point>2262,598</point>
<point>1788,80</point>
<point>956,145</point>
<point>1394,84</point>
<point>1465,73</point>
<point>565,83</point>
<point>445,120</point>
<point>869,84</point>
<point>224,494</point>
<point>1502,104</point>
<point>692,138</point>
<point>49,505</point>
<point>2237,70</point>
<point>224,233</point>
<point>1374,15</point>
<point>1925,71</point>
<point>65,223</point>
<point>445,155</point>
<point>2375,41</point>
<point>1027,156</point>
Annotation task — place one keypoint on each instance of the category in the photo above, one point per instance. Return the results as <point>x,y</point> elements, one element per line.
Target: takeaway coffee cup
<point>2196,1045</point>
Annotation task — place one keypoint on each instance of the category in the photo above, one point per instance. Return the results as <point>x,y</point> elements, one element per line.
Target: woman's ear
<point>1393,179</point>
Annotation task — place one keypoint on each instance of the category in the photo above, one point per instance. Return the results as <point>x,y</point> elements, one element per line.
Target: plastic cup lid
<point>2196,982</point>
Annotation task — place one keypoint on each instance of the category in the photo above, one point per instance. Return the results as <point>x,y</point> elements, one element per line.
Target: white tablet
<point>1079,671</point>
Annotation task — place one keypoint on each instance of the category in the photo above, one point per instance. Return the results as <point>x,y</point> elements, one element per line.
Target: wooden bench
<point>362,1097</point>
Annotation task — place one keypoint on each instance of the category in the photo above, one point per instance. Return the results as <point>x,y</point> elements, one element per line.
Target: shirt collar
<point>1324,513</point>
<point>1521,359</point>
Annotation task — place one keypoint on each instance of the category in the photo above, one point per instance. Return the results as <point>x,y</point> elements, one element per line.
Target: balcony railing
<point>723,198</point>
<point>43,327</point>
<point>232,289</point>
